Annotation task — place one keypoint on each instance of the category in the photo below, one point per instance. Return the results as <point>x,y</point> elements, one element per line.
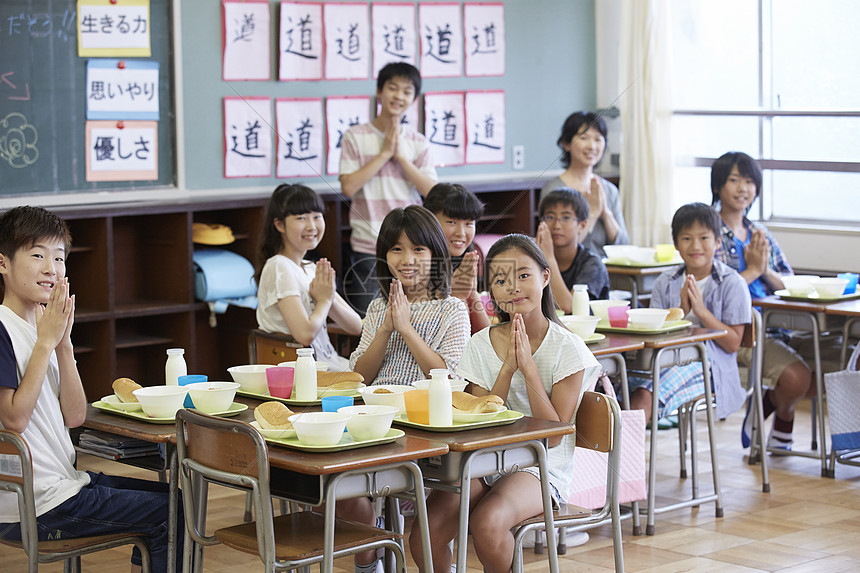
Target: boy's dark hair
<point>571,127</point>
<point>722,168</point>
<point>692,213</point>
<point>23,227</point>
<point>455,201</point>
<point>422,228</point>
<point>399,70</point>
<point>287,199</point>
<point>527,246</point>
<point>567,197</point>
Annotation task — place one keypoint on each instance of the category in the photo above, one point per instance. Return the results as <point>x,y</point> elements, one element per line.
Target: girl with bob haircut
<point>415,325</point>
<point>539,368</point>
<point>297,296</point>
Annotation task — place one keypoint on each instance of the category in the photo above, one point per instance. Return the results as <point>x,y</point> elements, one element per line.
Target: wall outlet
<point>519,156</point>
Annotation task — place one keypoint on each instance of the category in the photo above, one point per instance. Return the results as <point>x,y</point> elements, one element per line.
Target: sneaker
<point>746,428</point>
<point>779,441</point>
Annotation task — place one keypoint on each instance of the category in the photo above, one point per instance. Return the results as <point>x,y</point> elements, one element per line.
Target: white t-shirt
<point>55,478</point>
<point>561,354</point>
<point>281,277</point>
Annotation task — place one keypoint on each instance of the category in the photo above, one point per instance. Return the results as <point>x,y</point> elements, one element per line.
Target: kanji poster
<point>122,150</point>
<point>300,137</point>
<point>113,28</point>
<point>341,113</point>
<point>301,42</point>
<point>440,32</point>
<point>247,137</point>
<point>485,126</point>
<point>122,89</point>
<point>393,34</point>
<point>245,40</point>
<point>444,127</point>
<point>484,31</point>
<point>347,40</point>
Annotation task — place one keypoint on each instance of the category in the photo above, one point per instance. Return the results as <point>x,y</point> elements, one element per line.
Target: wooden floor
<point>806,524</point>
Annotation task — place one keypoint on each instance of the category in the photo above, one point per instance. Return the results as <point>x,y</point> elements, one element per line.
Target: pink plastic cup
<point>618,316</point>
<point>280,381</point>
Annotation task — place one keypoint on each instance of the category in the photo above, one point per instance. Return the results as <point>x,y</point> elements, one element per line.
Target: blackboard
<point>43,99</point>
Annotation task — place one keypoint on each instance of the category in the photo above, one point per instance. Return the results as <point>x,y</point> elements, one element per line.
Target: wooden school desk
<point>491,451</point>
<point>812,317</point>
<point>637,279</point>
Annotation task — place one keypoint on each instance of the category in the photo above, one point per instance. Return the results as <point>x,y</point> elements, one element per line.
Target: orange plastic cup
<point>417,406</point>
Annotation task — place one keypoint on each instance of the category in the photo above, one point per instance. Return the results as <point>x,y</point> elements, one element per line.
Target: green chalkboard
<point>43,99</point>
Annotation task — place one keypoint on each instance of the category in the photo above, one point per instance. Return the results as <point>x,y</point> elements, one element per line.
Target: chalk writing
<point>6,83</point>
<point>18,138</point>
<point>42,25</point>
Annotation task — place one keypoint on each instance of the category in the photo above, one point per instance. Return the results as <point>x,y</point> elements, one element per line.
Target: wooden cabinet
<point>131,270</point>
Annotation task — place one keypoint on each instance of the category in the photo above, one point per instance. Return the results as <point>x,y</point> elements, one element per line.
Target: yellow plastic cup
<point>418,406</point>
<point>665,252</point>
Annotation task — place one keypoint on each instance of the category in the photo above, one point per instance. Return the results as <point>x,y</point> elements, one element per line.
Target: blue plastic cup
<point>191,379</point>
<point>334,403</point>
<point>851,287</point>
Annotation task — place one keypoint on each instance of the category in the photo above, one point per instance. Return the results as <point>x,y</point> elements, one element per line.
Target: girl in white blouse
<point>539,368</point>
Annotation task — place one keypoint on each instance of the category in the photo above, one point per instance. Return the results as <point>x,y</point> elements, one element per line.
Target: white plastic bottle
<point>440,398</point>
<point>305,378</point>
<point>580,300</point>
<point>175,366</point>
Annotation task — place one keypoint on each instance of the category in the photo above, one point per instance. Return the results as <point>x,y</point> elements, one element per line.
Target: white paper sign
<point>107,27</point>
<point>122,89</point>
<point>128,149</point>
<point>341,113</point>
<point>409,119</point>
<point>484,28</point>
<point>246,40</point>
<point>444,127</point>
<point>347,37</point>
<point>485,127</point>
<point>300,137</point>
<point>393,34</point>
<point>301,41</point>
<point>247,137</point>
<point>441,35</point>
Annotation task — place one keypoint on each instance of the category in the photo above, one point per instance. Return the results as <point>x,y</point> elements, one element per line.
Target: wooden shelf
<point>141,341</point>
<point>148,308</point>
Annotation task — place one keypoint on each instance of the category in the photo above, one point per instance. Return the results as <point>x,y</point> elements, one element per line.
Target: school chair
<point>598,427</point>
<point>20,480</point>
<point>753,337</point>
<point>233,454</point>
<point>271,347</point>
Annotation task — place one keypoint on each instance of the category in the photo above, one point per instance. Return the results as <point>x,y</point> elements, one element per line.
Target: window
<point>776,79</point>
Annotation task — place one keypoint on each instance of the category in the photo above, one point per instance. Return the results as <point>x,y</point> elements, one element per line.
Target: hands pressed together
<point>322,286</point>
<point>54,321</point>
<point>691,296</point>
<point>519,353</point>
<point>757,253</point>
<point>397,315</point>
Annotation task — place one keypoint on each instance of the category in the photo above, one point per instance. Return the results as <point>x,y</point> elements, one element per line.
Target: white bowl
<point>211,397</point>
<point>651,318</point>
<point>274,434</point>
<point>394,398</point>
<point>329,391</point>
<point>321,366</point>
<point>461,417</point>
<point>830,287</point>
<point>319,428</point>
<point>642,254</point>
<point>114,401</point>
<point>161,401</point>
<point>618,253</point>
<point>251,377</point>
<point>583,325</point>
<point>598,307</point>
<point>799,285</point>
<point>368,422</point>
<point>456,385</point>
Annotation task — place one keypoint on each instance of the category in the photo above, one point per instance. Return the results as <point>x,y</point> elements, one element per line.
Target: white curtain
<point>646,120</point>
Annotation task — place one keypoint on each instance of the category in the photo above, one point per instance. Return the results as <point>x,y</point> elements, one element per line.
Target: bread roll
<point>477,404</point>
<point>273,416</point>
<point>383,391</point>
<point>331,378</point>
<point>675,314</point>
<point>123,388</point>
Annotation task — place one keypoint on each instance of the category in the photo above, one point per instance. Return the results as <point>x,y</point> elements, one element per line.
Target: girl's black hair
<point>527,246</point>
<point>455,201</point>
<point>287,199</point>
<point>571,127</point>
<point>422,228</point>
<point>722,168</point>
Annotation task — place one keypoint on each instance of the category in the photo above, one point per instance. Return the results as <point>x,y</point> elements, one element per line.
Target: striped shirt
<point>389,188</point>
<point>442,323</point>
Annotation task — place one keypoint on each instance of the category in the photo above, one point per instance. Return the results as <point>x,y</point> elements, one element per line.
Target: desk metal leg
<point>712,436</point>
<point>621,364</point>
<point>172,503</point>
<point>652,461</point>
<point>756,369</point>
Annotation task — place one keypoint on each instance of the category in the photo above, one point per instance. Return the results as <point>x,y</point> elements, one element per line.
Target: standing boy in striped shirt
<point>382,167</point>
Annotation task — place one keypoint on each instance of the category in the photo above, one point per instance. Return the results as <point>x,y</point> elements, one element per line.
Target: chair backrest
<point>594,423</point>
<point>17,476</point>
<point>748,338</point>
<point>271,347</point>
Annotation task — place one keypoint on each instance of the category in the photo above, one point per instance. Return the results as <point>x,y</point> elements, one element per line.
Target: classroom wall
<point>550,72</point>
